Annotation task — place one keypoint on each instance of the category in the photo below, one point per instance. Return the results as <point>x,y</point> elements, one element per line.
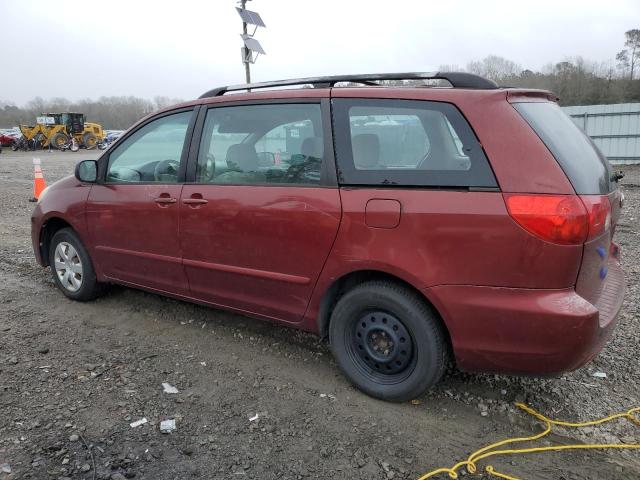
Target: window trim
<point>451,179</point>
<point>328,177</point>
<point>103,161</point>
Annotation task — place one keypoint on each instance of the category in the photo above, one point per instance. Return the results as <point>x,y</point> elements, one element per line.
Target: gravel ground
<point>74,376</point>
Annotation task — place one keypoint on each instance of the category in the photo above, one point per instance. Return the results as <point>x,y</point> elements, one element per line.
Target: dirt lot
<point>75,375</point>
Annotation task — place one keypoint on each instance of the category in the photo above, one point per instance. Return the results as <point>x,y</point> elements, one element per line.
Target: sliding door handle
<point>194,201</point>
<point>165,200</point>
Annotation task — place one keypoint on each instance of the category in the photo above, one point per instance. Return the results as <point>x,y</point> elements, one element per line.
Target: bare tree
<point>161,102</point>
<point>623,61</point>
<point>494,67</point>
<point>450,68</point>
<point>628,57</point>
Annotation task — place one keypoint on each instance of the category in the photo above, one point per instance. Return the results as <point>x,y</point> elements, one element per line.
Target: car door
<point>133,213</point>
<point>260,217</point>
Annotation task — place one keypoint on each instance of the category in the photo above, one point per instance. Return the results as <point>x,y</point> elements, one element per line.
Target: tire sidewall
<point>54,141</point>
<point>418,318</point>
<point>88,288</point>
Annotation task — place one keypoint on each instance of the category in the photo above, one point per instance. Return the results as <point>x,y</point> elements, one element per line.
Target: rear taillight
<point>562,219</point>
<point>599,211</point>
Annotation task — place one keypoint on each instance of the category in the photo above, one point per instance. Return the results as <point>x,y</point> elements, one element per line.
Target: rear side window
<point>407,143</point>
<point>586,167</point>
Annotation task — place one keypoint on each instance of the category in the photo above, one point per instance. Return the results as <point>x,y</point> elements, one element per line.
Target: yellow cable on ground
<point>490,450</point>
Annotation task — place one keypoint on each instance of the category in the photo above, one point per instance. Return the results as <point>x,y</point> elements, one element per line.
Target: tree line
<point>576,81</point>
<point>115,113</point>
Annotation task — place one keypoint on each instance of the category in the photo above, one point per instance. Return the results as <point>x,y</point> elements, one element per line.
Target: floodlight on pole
<point>251,45</point>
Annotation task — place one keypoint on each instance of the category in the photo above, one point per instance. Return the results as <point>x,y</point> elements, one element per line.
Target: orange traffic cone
<point>38,181</point>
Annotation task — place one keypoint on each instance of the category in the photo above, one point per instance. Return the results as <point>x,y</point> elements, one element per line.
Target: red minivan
<point>412,225</point>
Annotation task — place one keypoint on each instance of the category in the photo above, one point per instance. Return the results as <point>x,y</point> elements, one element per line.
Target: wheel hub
<point>68,266</point>
<point>380,342</point>
<point>383,343</point>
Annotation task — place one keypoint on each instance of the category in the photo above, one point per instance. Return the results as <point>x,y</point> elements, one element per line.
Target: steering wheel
<point>166,167</point>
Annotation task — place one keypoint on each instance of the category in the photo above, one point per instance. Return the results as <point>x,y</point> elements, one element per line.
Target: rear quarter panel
<point>445,238</point>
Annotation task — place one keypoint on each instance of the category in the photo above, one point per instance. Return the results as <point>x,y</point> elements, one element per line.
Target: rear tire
<point>71,266</point>
<point>387,341</point>
<point>90,141</point>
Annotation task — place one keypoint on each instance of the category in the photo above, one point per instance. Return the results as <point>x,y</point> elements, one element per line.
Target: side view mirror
<point>87,171</point>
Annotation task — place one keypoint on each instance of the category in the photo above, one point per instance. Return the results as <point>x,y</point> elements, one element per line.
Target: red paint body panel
<point>65,200</point>
<point>595,260</point>
<point>258,249</point>
<point>134,238</point>
<point>6,140</point>
<point>510,301</point>
<point>524,330</point>
<point>445,237</point>
<point>382,213</point>
<point>449,237</point>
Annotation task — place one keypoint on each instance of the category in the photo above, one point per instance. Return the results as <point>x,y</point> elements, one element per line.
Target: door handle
<point>195,201</point>
<point>165,200</point>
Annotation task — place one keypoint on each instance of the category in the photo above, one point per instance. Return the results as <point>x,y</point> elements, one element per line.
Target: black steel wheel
<point>388,341</point>
<point>382,346</point>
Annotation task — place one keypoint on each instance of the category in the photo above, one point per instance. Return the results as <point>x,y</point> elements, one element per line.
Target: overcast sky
<point>181,48</point>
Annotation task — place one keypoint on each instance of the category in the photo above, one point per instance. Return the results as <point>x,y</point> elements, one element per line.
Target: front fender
<point>63,203</point>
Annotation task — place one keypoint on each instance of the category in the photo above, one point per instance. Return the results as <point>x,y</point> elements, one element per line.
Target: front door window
<point>152,154</point>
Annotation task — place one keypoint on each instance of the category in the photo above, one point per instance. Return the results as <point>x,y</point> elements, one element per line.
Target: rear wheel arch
<point>345,283</point>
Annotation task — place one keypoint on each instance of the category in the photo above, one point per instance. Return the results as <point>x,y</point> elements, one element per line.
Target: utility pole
<point>252,48</point>
<point>247,52</point>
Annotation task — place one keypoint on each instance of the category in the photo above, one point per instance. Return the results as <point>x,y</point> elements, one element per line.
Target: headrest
<point>312,147</point>
<point>244,156</point>
<point>366,150</point>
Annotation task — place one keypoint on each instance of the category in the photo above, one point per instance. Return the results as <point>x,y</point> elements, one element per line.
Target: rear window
<point>407,143</point>
<point>586,167</point>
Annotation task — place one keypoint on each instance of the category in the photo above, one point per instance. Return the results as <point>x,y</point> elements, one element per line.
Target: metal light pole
<point>247,53</point>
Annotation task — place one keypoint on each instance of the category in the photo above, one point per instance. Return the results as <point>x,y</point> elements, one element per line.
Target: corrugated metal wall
<point>614,128</point>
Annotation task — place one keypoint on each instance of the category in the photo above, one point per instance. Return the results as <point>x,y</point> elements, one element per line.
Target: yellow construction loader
<point>57,129</point>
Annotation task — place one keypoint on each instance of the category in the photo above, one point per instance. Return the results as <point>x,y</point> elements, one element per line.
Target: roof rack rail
<point>456,79</point>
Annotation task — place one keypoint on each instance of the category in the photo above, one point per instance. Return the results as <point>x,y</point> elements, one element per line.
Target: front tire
<point>59,140</point>
<point>387,341</point>
<point>72,268</point>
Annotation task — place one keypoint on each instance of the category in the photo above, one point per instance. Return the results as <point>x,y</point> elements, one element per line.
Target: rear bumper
<point>527,331</point>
